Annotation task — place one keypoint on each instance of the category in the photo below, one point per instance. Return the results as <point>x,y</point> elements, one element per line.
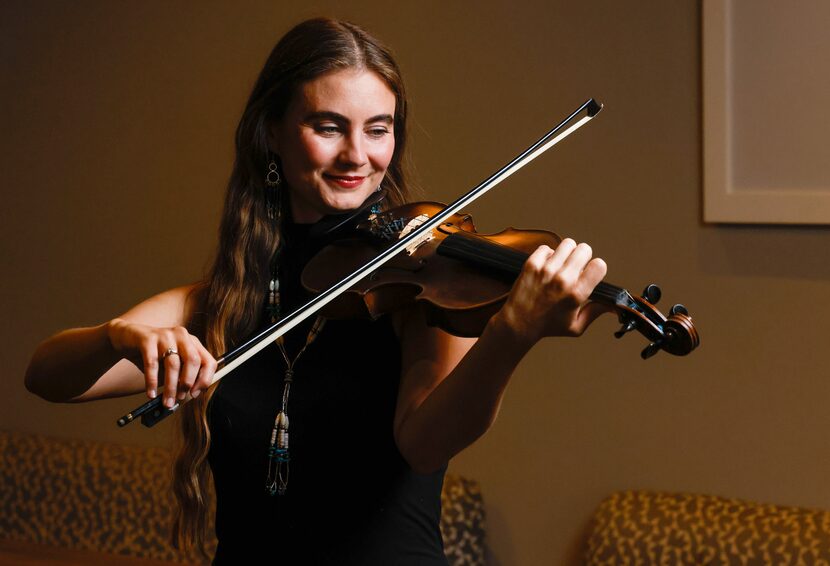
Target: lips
<point>345,181</point>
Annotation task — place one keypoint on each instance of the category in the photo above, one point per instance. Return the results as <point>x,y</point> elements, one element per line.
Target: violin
<point>460,278</point>
<point>675,334</point>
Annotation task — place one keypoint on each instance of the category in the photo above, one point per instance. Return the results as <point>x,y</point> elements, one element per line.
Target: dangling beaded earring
<point>273,180</point>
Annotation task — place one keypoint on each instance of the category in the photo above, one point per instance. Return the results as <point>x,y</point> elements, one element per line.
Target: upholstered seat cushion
<point>115,499</point>
<point>641,527</point>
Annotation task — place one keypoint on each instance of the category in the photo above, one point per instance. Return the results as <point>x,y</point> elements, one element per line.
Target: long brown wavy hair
<point>231,298</point>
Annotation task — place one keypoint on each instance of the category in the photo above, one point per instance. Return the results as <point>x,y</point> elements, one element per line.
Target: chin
<point>347,203</point>
<point>326,203</point>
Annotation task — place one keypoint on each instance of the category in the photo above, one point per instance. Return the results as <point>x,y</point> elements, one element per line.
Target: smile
<point>345,181</point>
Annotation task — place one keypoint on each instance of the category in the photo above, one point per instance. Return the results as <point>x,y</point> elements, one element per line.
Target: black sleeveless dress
<point>351,497</point>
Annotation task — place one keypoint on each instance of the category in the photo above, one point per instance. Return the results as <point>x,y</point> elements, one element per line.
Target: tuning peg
<point>678,309</point>
<point>625,328</point>
<point>650,350</point>
<point>652,294</point>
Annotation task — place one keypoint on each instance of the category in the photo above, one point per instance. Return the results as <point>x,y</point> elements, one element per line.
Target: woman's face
<point>335,142</point>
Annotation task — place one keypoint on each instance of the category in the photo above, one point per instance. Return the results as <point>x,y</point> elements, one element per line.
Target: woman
<point>376,409</point>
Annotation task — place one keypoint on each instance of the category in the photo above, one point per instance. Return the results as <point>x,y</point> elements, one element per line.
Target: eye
<point>378,132</point>
<point>327,129</point>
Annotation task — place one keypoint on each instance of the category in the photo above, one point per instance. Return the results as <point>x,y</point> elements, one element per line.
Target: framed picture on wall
<point>766,111</point>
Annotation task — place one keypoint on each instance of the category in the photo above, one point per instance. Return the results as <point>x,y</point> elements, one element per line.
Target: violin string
<point>486,253</point>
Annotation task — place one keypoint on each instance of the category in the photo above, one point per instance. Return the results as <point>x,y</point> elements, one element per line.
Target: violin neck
<point>507,262</point>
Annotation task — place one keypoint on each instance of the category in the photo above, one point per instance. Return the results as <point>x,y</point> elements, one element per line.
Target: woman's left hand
<point>550,296</point>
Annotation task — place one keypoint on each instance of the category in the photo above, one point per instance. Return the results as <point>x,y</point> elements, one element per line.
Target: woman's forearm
<point>69,363</point>
<point>84,364</point>
<point>464,405</point>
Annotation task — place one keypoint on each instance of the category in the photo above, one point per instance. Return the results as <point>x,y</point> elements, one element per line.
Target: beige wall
<point>117,129</point>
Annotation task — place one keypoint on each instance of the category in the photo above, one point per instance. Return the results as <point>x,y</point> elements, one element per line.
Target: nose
<point>353,152</point>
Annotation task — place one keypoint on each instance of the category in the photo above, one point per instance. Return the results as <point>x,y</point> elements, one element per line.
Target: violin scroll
<point>681,334</point>
<point>675,334</point>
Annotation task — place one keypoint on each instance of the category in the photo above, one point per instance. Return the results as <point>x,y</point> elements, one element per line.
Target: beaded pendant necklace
<point>279,456</point>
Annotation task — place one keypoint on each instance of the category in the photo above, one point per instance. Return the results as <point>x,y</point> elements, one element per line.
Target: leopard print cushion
<point>117,499</point>
<point>462,521</point>
<point>86,496</point>
<point>639,527</point>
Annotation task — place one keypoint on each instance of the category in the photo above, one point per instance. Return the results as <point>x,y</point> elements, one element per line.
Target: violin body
<point>460,278</point>
<point>452,294</point>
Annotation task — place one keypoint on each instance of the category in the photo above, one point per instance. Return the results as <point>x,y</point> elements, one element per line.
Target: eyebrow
<point>335,117</point>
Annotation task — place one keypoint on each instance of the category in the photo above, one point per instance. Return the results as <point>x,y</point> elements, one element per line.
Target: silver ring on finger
<point>170,352</point>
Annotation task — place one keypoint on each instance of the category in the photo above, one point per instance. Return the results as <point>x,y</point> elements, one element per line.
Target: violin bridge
<point>412,225</point>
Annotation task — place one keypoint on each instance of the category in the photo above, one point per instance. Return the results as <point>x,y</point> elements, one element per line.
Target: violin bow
<point>154,411</point>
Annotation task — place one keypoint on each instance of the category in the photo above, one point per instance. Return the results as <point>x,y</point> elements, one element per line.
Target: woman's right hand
<point>174,353</point>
